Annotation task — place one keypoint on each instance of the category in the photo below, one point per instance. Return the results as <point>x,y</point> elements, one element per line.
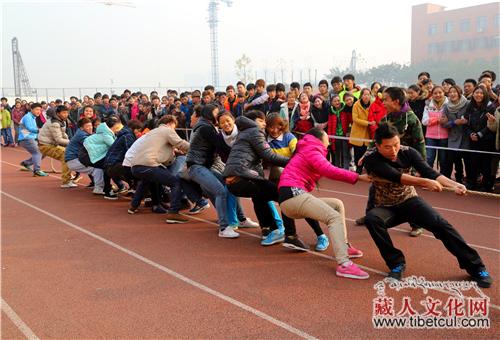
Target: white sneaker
<point>248,223</point>
<point>228,233</point>
<point>69,185</point>
<point>98,191</point>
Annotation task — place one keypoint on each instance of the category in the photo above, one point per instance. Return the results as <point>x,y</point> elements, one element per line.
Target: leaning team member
<point>396,202</point>
<point>298,179</point>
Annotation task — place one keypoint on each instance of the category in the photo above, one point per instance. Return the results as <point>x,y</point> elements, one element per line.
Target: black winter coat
<point>477,122</point>
<point>247,153</point>
<point>124,140</point>
<point>202,144</point>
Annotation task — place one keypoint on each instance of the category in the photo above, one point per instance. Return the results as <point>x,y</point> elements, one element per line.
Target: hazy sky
<point>86,43</point>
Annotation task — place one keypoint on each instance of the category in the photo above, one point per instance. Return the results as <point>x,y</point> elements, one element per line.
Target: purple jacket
<point>309,164</point>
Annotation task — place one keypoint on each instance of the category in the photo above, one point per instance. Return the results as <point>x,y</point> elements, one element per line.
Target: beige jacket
<point>495,127</point>
<point>53,132</point>
<point>157,147</point>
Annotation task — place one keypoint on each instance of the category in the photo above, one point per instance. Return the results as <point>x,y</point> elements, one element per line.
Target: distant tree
<point>406,74</point>
<point>243,67</point>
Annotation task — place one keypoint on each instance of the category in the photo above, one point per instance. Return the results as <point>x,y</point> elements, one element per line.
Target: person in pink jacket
<point>298,179</point>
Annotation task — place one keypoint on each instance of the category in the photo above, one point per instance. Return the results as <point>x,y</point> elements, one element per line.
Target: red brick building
<point>468,33</point>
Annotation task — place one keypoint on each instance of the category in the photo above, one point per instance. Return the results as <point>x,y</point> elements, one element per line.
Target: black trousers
<point>119,172</point>
<point>416,210</point>
<point>480,164</point>
<point>454,159</point>
<point>371,204</point>
<point>261,192</point>
<point>359,151</point>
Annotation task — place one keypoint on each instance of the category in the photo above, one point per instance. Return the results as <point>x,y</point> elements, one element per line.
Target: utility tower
<point>214,43</point>
<point>354,61</point>
<point>21,81</point>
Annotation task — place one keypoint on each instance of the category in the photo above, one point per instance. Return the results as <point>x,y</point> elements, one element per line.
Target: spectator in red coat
<point>376,112</point>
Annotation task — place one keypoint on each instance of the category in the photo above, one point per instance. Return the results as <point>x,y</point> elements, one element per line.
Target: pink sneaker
<point>353,252</point>
<point>350,270</point>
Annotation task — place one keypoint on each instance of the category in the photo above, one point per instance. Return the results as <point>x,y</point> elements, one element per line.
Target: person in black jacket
<point>116,153</point>
<point>481,139</point>
<point>396,201</point>
<point>245,175</point>
<point>200,158</point>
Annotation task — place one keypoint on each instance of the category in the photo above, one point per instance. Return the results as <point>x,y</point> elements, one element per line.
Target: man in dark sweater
<point>409,127</point>
<point>396,202</point>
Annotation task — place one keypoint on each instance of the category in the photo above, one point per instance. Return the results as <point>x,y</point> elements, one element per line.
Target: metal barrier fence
<point>49,94</point>
<point>189,131</point>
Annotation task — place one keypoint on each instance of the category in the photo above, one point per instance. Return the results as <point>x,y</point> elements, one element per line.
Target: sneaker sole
<point>293,247</point>
<point>197,212</point>
<point>282,239</point>
<point>110,198</point>
<point>355,256</point>
<point>320,250</point>
<point>175,221</point>
<point>229,237</point>
<point>132,212</point>
<point>350,276</point>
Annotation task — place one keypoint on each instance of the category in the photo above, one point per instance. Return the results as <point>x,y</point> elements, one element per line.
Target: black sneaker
<point>121,190</point>
<point>148,202</point>
<point>483,278</point>
<point>199,208</point>
<point>397,272</point>
<point>133,210</point>
<point>360,221</point>
<point>110,196</point>
<point>90,185</point>
<point>265,232</point>
<point>158,209</point>
<point>295,243</point>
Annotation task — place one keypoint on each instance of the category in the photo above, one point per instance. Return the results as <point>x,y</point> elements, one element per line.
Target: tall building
<point>467,34</point>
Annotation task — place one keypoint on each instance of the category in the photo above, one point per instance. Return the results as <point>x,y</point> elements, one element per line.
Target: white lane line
<point>431,236</point>
<point>170,272</point>
<point>424,235</point>
<point>438,208</point>
<point>20,324</point>
<point>376,271</point>
<point>348,219</point>
<point>338,192</point>
<point>470,244</point>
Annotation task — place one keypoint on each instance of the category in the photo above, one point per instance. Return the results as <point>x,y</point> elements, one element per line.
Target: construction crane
<point>214,43</point>
<point>21,80</point>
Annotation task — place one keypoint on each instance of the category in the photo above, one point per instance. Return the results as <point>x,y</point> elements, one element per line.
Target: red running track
<point>77,266</point>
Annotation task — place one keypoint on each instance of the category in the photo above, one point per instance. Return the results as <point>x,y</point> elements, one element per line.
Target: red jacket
<point>376,112</point>
<point>231,108</point>
<point>345,120</point>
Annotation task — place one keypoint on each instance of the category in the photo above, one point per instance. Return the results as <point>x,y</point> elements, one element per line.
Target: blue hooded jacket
<point>117,151</point>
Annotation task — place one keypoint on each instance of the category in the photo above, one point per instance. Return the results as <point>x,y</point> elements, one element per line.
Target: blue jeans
<point>31,146</point>
<point>276,215</point>
<point>235,213</point>
<point>177,166</point>
<point>7,136</point>
<point>188,187</point>
<point>431,153</point>
<point>211,183</point>
<point>159,175</point>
